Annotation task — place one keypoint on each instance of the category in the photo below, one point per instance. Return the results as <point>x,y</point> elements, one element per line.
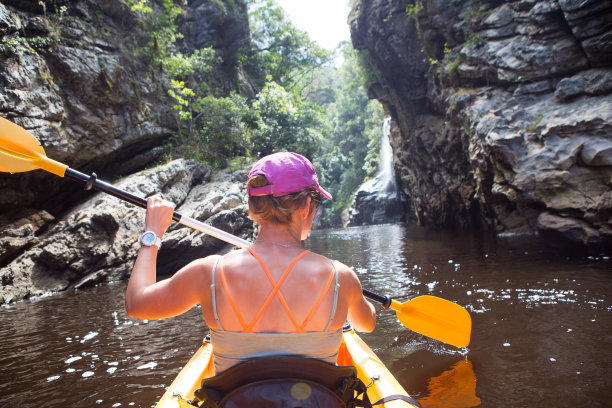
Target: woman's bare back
<point>311,280</point>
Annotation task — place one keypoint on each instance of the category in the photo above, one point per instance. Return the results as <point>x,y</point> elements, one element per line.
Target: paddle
<point>429,315</point>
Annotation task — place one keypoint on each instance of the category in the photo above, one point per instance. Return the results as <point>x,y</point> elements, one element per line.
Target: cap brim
<point>324,193</point>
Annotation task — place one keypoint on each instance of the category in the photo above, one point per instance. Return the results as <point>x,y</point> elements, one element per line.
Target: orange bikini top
<point>247,328</point>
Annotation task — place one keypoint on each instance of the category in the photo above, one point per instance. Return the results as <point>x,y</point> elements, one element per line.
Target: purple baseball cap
<point>287,173</point>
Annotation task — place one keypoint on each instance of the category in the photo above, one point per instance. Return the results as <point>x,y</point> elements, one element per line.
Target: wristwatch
<point>149,238</point>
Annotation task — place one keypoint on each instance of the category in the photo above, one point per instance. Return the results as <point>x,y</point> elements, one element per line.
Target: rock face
<point>98,240</point>
<point>378,201</point>
<point>504,110</point>
<point>71,74</point>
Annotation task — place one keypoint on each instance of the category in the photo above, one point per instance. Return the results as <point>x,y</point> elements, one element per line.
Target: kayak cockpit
<point>359,377</point>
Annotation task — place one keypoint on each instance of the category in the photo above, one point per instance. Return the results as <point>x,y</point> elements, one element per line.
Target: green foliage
<point>473,40</point>
<point>182,96</point>
<point>215,131</point>
<point>303,105</point>
<point>240,162</point>
<point>452,65</point>
<point>197,70</point>
<point>220,126</point>
<point>158,28</point>
<point>210,126</point>
<point>536,121</point>
<point>282,121</point>
<point>13,44</point>
<point>40,44</point>
<point>413,9</point>
<point>390,13</point>
<point>470,13</point>
<point>350,152</point>
<point>20,45</point>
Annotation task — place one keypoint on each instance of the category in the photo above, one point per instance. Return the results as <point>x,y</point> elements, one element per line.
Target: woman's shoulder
<point>344,272</point>
<point>319,258</point>
<point>237,255</point>
<point>341,268</point>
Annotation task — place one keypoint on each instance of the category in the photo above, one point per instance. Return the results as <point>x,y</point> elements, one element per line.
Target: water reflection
<point>455,388</point>
<point>377,257</point>
<point>84,351</point>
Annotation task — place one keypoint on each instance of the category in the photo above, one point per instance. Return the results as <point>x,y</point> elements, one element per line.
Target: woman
<point>274,298</point>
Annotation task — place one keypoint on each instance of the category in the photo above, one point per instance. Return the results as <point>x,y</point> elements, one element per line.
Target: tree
<point>282,121</point>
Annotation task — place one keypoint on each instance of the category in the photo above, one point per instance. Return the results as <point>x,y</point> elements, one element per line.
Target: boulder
<point>97,241</point>
<point>378,201</point>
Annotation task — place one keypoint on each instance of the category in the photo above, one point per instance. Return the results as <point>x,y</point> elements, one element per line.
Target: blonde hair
<point>278,210</point>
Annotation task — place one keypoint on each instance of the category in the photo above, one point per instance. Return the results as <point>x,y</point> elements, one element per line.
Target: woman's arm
<point>361,313</point>
<point>146,298</point>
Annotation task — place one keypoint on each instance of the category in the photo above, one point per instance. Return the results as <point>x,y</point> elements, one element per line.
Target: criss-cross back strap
<point>319,301</point>
<point>275,291</point>
<point>229,295</point>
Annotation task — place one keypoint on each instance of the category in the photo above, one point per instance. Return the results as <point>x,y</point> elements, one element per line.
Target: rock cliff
<point>503,109</point>
<point>72,75</point>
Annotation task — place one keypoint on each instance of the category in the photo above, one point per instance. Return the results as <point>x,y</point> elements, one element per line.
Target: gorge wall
<point>502,111</point>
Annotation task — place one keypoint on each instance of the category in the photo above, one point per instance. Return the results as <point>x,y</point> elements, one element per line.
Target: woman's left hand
<point>159,215</point>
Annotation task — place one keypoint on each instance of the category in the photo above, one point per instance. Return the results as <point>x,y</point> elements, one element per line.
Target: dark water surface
<point>542,333</point>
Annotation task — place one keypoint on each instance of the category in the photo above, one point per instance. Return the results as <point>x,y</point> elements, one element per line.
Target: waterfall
<point>379,200</point>
<point>386,175</point>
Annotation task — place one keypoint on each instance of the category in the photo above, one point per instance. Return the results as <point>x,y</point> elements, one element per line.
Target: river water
<point>541,337</point>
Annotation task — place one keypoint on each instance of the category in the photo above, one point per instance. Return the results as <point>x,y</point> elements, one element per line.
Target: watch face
<point>148,238</point>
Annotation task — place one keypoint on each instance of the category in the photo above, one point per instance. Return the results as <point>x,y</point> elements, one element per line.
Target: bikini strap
<point>336,287</point>
<point>320,300</point>
<point>231,299</point>
<point>213,291</point>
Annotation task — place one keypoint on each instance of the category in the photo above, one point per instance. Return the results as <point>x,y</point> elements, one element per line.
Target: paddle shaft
<point>92,181</point>
<point>385,301</point>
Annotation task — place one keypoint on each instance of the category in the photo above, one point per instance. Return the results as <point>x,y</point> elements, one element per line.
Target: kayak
<point>353,352</point>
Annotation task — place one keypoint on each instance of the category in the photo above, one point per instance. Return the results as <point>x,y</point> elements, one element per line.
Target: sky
<point>323,20</point>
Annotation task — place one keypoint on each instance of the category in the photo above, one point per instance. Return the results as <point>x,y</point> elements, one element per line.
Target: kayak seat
<point>285,381</point>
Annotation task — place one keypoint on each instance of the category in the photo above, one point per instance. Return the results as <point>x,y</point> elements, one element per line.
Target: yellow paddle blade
<point>20,151</point>
<point>437,318</point>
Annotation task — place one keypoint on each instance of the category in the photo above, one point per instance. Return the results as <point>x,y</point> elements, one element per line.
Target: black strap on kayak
<point>394,397</point>
<point>354,393</point>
